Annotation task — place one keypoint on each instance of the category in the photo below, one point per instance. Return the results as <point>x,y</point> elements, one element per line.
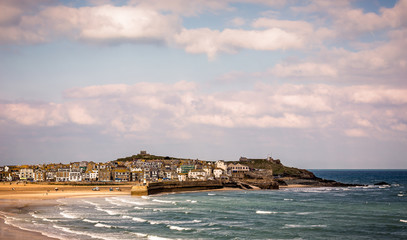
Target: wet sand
<point>15,197</point>
<point>48,191</point>
<point>13,233</point>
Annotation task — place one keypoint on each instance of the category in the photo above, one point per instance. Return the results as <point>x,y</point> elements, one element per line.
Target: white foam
<point>145,197</point>
<point>157,238</point>
<point>211,194</point>
<point>303,226</point>
<point>303,213</point>
<point>112,201</point>
<point>110,212</point>
<point>265,212</point>
<point>91,203</point>
<point>288,199</point>
<point>163,201</point>
<point>143,235</point>
<point>402,220</point>
<point>42,218</point>
<point>90,221</point>
<point>178,228</point>
<point>126,216</point>
<point>92,235</point>
<point>102,225</point>
<point>67,215</point>
<point>136,219</point>
<point>400,195</point>
<point>129,202</point>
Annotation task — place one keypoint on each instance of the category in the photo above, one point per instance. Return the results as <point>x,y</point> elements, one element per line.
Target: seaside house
<point>237,167</point>
<point>63,175</point>
<point>121,174</point>
<point>26,174</point>
<point>238,170</point>
<point>105,175</point>
<point>51,175</point>
<point>222,165</point>
<point>197,174</point>
<point>208,169</point>
<point>182,177</point>
<point>40,175</point>
<point>136,174</point>
<point>75,175</point>
<point>218,172</point>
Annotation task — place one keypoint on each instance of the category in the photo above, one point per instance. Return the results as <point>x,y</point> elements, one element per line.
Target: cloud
<point>212,42</point>
<point>350,22</point>
<point>309,69</point>
<point>158,108</point>
<point>354,132</point>
<point>101,24</point>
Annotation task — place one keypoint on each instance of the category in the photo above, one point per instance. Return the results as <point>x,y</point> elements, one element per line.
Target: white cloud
<point>309,69</point>
<point>79,115</point>
<point>105,23</point>
<point>146,107</point>
<point>354,132</point>
<point>212,42</point>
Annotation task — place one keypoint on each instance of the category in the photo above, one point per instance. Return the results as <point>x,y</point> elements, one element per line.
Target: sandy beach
<point>14,197</point>
<point>17,196</point>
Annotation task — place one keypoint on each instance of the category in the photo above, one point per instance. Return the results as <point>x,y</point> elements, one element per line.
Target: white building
<point>222,165</point>
<point>238,167</point>
<point>197,174</point>
<point>93,175</point>
<point>75,176</point>
<point>26,174</point>
<point>217,172</point>
<point>182,177</point>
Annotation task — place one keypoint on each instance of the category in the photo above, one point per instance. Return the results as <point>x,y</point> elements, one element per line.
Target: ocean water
<point>368,212</point>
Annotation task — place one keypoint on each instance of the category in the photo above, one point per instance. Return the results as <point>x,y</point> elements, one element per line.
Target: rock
<point>381,183</point>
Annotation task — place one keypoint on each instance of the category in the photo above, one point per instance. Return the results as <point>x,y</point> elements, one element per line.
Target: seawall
<point>174,186</point>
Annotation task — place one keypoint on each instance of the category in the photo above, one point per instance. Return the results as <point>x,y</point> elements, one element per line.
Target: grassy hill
<point>278,168</point>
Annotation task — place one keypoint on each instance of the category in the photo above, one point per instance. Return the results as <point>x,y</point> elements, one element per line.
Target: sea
<point>364,212</point>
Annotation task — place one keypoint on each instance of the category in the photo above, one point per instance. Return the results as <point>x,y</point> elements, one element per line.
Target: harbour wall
<point>174,186</point>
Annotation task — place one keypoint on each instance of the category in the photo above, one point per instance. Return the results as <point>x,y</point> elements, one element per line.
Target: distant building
<point>63,175</point>
<point>186,168</point>
<point>105,175</point>
<point>218,172</point>
<point>222,165</point>
<point>243,159</point>
<point>121,175</point>
<point>75,175</point>
<point>197,174</point>
<point>26,174</point>
<point>238,167</point>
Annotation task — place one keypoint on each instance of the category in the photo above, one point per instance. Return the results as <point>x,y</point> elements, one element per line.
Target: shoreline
<point>8,231</point>
<point>34,195</point>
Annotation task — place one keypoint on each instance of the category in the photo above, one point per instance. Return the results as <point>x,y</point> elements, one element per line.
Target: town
<point>140,168</point>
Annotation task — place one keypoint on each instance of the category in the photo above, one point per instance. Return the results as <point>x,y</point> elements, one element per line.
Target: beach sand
<point>13,233</point>
<point>47,191</point>
<point>17,196</point>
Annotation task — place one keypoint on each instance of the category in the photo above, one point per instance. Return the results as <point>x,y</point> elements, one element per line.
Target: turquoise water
<point>370,212</point>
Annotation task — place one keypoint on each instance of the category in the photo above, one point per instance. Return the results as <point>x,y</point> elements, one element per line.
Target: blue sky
<point>318,84</point>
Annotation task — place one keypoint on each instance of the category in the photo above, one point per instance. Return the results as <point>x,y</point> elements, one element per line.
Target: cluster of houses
<point>137,170</point>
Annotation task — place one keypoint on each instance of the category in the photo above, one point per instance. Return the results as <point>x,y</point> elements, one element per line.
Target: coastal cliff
<point>272,174</point>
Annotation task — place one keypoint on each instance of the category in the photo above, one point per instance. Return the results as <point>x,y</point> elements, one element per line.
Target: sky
<point>317,84</point>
